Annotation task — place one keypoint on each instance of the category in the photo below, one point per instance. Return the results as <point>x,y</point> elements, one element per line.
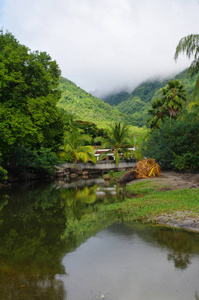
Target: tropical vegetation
<point>30,120</point>
<point>173,96</point>
<point>190,46</point>
<point>44,118</point>
<point>83,106</point>
<point>117,142</point>
<point>74,148</point>
<point>136,104</point>
<point>175,144</point>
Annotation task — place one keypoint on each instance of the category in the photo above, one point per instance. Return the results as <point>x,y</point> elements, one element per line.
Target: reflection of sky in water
<point>125,267</point>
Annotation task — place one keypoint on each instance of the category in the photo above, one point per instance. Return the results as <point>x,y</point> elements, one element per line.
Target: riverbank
<point>169,200</point>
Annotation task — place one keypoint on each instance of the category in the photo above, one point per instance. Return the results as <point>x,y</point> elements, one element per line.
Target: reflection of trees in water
<point>31,250</point>
<point>29,286</point>
<point>180,244</point>
<point>78,202</point>
<point>181,260</point>
<point>33,240</point>
<point>196,296</point>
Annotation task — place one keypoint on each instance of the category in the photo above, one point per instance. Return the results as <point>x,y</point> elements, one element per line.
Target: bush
<point>3,174</point>
<point>66,157</point>
<point>187,161</point>
<point>175,145</point>
<point>39,162</point>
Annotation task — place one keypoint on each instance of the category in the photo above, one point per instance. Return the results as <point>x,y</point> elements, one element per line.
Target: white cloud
<point>105,44</point>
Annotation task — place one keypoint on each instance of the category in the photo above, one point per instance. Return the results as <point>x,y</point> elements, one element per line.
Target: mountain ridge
<point>122,107</point>
<point>138,102</point>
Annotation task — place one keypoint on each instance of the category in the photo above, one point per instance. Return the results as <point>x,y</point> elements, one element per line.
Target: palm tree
<point>173,95</point>
<point>74,144</point>
<point>190,46</point>
<point>157,113</point>
<point>117,142</point>
<point>170,103</point>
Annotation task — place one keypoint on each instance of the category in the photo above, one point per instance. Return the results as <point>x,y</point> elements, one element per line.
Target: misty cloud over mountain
<point>106,45</point>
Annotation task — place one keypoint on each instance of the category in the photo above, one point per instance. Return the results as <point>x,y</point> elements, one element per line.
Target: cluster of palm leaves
<point>173,94</point>
<point>118,143</point>
<point>171,102</point>
<point>190,46</point>
<point>74,143</point>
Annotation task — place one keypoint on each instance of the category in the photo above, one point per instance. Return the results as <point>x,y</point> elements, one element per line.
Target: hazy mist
<point>106,45</point>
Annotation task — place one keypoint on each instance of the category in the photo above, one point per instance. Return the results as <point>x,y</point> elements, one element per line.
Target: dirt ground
<point>175,180</point>
<point>172,181</point>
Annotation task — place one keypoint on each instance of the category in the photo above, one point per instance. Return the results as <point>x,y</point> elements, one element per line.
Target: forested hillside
<point>137,103</point>
<point>84,106</point>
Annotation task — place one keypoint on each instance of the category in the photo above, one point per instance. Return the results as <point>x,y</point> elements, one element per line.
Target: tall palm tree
<point>173,96</point>
<point>117,142</point>
<point>190,46</point>
<point>74,144</point>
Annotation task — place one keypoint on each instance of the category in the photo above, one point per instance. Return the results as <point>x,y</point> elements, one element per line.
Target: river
<point>56,245</point>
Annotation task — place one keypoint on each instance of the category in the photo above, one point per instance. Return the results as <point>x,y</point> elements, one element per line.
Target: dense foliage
<point>29,117</point>
<point>170,103</point>
<point>117,142</point>
<point>85,107</point>
<point>90,129</point>
<point>175,145</point>
<point>74,148</point>
<point>37,106</point>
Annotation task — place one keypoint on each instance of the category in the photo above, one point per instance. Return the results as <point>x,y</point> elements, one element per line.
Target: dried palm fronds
<point>146,168</point>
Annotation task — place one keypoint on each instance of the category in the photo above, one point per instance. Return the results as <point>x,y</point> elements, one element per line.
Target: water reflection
<point>30,247</point>
<point>129,261</point>
<point>39,224</point>
<point>35,234</point>
<point>181,246</point>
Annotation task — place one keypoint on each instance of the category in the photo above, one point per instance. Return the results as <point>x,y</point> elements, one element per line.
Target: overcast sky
<point>105,45</point>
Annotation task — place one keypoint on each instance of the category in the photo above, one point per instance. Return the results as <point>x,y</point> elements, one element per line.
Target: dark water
<point>55,244</point>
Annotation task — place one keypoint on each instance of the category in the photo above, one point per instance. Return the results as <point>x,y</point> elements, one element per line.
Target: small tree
<point>173,96</point>
<point>117,142</point>
<point>157,113</point>
<point>171,102</point>
<point>74,144</point>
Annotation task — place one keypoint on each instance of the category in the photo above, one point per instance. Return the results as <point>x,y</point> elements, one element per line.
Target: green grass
<point>151,202</point>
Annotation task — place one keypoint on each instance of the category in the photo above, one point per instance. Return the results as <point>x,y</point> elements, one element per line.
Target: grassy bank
<point>146,200</point>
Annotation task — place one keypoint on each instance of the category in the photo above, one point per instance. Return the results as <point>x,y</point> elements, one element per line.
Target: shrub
<point>175,145</point>
<point>3,174</point>
<point>187,161</point>
<point>25,160</point>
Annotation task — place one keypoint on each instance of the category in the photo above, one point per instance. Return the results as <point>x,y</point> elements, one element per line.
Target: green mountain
<point>136,104</point>
<point>85,107</point>
<point>116,99</point>
<point>127,108</point>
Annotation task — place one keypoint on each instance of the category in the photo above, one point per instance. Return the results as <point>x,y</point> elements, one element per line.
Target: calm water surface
<point>54,244</point>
